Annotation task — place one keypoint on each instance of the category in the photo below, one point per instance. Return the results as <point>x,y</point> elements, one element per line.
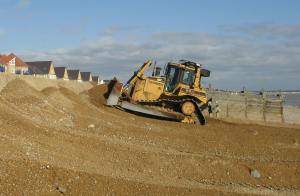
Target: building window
<point>2,68</point>
<point>13,61</point>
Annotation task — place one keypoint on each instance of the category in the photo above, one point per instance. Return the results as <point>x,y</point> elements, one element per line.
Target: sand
<point>57,137</point>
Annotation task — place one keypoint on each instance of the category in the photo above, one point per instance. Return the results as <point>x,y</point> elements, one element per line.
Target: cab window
<point>188,77</point>
<point>172,78</point>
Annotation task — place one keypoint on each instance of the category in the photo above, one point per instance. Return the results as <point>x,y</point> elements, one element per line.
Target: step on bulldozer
<point>175,95</point>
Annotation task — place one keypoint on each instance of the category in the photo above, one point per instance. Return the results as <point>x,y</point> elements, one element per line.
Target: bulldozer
<point>175,95</point>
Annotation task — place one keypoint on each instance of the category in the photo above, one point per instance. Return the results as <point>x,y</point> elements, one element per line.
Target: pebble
<point>61,190</point>
<point>91,126</point>
<point>254,173</point>
<point>109,123</point>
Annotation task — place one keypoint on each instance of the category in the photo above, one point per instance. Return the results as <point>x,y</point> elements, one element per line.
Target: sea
<point>292,99</point>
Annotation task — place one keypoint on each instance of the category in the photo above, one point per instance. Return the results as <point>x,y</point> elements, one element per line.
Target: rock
<point>254,173</point>
<point>61,190</point>
<point>253,132</point>
<point>109,123</point>
<point>270,178</point>
<point>91,126</point>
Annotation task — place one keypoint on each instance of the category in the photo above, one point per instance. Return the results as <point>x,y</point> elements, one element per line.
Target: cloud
<point>117,29</point>
<point>235,60</point>
<point>266,29</point>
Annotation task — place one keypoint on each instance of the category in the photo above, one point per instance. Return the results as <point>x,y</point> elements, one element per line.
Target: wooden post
<point>246,106</point>
<point>264,106</point>
<point>227,110</point>
<point>281,107</point>
<point>244,89</point>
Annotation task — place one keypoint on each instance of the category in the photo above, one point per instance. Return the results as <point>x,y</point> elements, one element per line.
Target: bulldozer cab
<point>176,75</point>
<point>184,74</point>
<point>184,79</point>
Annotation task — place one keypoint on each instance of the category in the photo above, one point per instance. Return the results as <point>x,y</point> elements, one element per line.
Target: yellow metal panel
<point>147,89</point>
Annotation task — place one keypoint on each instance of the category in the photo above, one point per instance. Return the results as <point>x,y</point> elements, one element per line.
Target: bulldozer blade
<point>114,92</point>
<point>151,112</point>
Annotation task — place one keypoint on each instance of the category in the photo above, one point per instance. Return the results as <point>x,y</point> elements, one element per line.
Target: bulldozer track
<point>199,118</point>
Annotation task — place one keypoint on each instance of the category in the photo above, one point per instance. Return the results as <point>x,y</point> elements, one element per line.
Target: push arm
<point>139,73</point>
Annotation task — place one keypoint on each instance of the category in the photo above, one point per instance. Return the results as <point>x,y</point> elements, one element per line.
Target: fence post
<point>281,106</point>
<point>264,106</point>
<point>244,89</point>
<point>227,110</point>
<point>246,106</point>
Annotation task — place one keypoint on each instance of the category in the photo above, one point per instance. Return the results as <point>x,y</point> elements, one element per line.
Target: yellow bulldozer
<point>176,95</point>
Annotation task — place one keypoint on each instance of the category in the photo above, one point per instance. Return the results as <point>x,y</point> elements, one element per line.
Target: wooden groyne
<point>248,105</point>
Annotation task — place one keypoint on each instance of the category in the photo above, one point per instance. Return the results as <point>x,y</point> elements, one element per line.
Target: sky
<point>245,43</point>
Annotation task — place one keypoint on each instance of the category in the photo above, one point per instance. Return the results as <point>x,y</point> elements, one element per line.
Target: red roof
<point>6,58</point>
